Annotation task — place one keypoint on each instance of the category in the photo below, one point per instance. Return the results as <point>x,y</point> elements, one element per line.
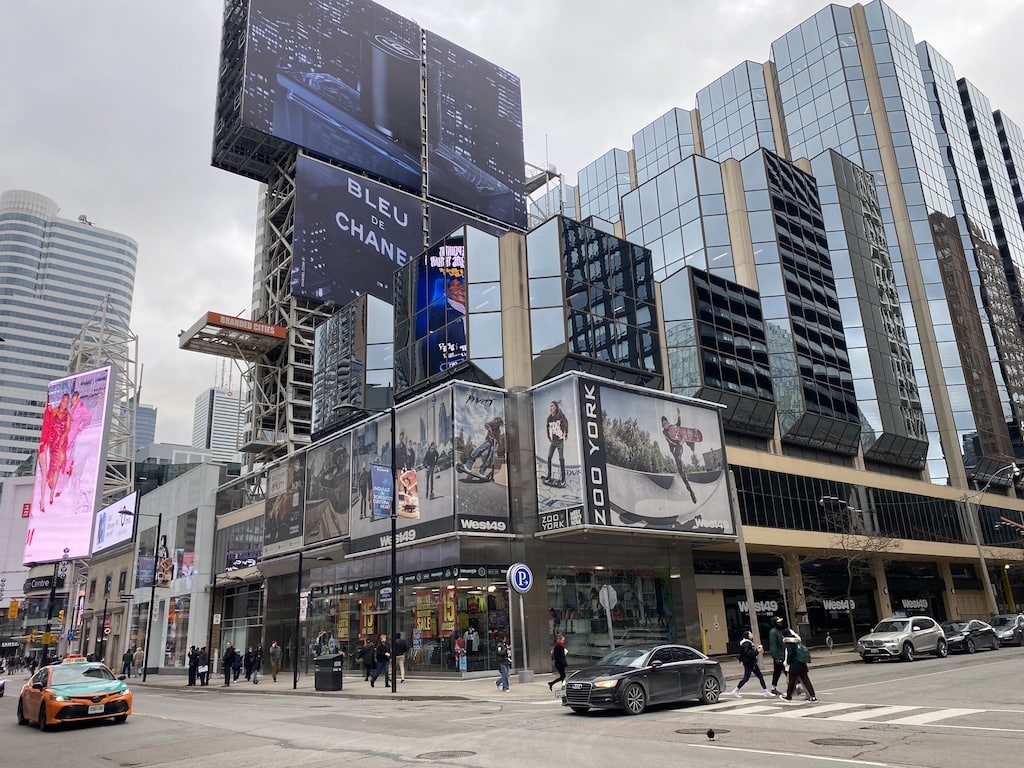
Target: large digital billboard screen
<point>647,462</point>
<point>475,133</point>
<point>351,234</point>
<point>70,466</point>
<point>112,527</point>
<point>328,490</point>
<point>342,79</point>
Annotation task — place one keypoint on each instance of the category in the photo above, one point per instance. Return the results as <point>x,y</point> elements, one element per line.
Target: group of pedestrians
<point>790,657</point>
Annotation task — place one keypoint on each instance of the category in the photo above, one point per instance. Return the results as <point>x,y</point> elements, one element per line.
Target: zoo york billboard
<point>614,456</point>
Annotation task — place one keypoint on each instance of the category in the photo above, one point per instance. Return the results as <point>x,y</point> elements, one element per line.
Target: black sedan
<point>969,636</point>
<point>635,676</point>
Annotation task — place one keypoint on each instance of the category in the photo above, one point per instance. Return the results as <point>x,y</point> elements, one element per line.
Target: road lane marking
<point>816,709</point>
<point>803,755</point>
<point>888,681</point>
<point>930,717</point>
<point>867,714</point>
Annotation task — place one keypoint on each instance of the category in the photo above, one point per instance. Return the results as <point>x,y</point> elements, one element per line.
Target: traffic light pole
<point>59,568</point>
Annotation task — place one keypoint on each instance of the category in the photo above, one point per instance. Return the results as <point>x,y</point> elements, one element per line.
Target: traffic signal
<point>60,618</point>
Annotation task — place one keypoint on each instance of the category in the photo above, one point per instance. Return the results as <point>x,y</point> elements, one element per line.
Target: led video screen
<point>112,527</point>
<point>341,79</point>
<point>70,464</point>
<point>282,530</point>
<point>475,133</point>
<point>351,234</point>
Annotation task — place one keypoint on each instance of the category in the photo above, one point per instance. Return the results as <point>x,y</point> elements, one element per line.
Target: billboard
<point>475,133</point>
<point>351,234</point>
<point>70,466</point>
<point>342,79</point>
<point>328,490</point>
<point>481,466</point>
<point>283,507</point>
<point>649,461</point>
<point>423,454</point>
<point>345,80</point>
<point>112,527</point>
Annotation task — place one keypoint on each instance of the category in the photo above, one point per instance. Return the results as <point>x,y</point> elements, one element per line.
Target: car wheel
<point>42,718</point>
<point>22,720</point>
<point>941,649</point>
<point>634,699</point>
<point>580,710</point>
<point>710,690</point>
<point>970,646</point>
<point>996,645</point>
<point>908,652</point>
<point>121,719</point>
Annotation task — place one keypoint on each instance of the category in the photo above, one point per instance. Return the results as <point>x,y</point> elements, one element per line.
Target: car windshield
<point>891,626</point>
<point>1002,621</point>
<point>954,626</point>
<point>625,657</point>
<point>79,674</point>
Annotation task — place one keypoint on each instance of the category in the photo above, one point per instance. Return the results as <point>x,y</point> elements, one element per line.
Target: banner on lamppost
<point>383,488</point>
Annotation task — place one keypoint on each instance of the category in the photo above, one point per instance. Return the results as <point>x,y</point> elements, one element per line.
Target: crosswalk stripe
<point>873,712</point>
<point>814,709</point>
<point>931,717</point>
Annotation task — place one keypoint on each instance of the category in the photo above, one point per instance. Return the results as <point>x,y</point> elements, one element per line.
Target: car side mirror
<point>122,677</point>
<point>656,663</point>
<point>38,686</point>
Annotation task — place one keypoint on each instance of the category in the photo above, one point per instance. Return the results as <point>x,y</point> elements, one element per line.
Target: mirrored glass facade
<point>735,118</point>
<point>602,183</point>
<point>660,145</point>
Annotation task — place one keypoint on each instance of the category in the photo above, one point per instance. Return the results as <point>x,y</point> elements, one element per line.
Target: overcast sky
<point>107,108</point>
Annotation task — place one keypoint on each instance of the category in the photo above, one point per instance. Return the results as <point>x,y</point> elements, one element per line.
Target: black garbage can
<point>327,671</point>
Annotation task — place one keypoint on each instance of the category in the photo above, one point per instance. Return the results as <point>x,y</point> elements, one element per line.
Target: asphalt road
<point>959,712</point>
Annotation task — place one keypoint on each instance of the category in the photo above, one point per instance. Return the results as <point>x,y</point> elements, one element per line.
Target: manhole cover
<point>843,742</point>
<point>701,731</point>
<point>445,754</point>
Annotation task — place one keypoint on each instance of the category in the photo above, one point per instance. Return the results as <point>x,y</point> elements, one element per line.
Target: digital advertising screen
<point>440,319</point>
<point>70,464</point>
<point>649,462</point>
<point>113,528</point>
<point>475,133</point>
<point>351,234</point>
<point>342,79</point>
<point>328,490</point>
<point>284,502</point>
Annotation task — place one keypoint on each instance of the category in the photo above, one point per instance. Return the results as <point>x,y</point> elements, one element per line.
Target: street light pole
<point>973,510</point>
<point>298,609</point>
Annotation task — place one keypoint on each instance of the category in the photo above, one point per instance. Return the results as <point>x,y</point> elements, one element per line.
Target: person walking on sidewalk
<point>126,662</point>
<point>749,655</point>
<point>504,656</point>
<point>369,658</point>
<point>558,660</point>
<point>275,660</point>
<point>401,648</point>
<point>382,655</point>
<point>256,664</point>
<point>204,666</point>
<point>230,655</point>
<point>777,650</point>
<point>798,656</point>
<point>138,659</point>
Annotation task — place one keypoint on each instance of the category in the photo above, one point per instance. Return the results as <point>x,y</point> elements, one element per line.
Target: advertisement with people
<point>556,430</point>
<point>651,462</point>
<point>115,523</point>
<point>283,507</point>
<point>328,490</point>
<point>481,465</point>
<point>70,463</point>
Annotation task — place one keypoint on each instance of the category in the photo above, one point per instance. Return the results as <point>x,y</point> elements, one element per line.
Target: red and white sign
<point>242,324</point>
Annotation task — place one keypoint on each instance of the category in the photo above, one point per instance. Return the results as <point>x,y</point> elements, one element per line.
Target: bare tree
<point>857,540</point>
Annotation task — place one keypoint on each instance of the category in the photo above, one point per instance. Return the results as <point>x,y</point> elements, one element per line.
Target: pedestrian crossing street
<point>888,714</point>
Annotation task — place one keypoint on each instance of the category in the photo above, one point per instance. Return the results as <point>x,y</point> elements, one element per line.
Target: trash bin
<point>327,671</point>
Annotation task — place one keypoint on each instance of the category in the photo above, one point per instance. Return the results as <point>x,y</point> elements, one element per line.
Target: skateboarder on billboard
<point>676,435</point>
<point>487,450</point>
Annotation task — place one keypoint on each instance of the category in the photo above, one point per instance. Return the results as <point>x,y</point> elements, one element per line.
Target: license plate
<point>96,709</point>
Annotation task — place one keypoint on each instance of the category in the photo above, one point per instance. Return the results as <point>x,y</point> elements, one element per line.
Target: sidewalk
<point>417,688</point>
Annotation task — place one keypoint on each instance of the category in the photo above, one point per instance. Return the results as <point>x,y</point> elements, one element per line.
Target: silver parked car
<point>903,638</point>
<point>1009,627</point>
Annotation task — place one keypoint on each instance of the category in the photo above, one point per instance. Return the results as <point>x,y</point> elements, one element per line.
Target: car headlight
<point>892,642</point>
<point>125,692</point>
<point>60,698</point>
<point>606,683</point>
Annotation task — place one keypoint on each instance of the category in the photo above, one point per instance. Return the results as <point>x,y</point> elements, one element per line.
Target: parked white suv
<point>903,638</point>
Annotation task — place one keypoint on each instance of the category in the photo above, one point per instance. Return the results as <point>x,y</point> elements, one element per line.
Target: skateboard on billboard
<point>474,475</point>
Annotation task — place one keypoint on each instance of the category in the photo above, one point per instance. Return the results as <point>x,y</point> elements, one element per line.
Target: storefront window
<point>640,608</point>
<point>176,648</point>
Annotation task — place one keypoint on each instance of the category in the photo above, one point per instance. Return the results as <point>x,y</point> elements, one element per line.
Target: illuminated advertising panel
<point>440,296</point>
<point>425,504</point>
<point>112,527</point>
<point>328,490</point>
<point>649,462</point>
<point>481,460</point>
<point>475,132</point>
<point>341,79</point>
<point>556,429</point>
<point>351,234</point>
<point>70,467</point>
<point>283,508</point>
